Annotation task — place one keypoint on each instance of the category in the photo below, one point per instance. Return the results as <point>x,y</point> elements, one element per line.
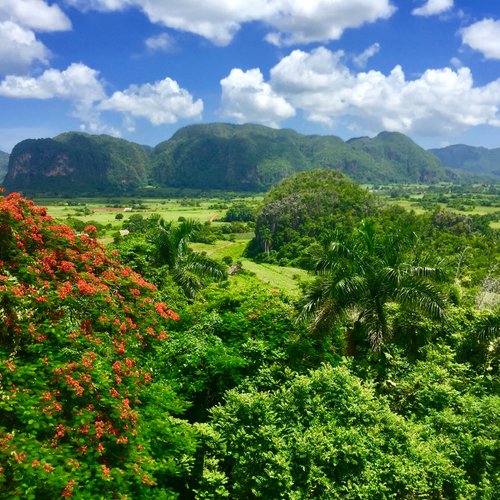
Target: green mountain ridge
<point>211,156</point>
<point>470,159</point>
<point>4,163</point>
<point>76,161</point>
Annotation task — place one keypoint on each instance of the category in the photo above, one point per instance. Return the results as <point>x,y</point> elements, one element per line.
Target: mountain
<point>300,209</point>
<point>77,163</point>
<point>473,160</point>
<point>211,156</point>
<point>4,162</point>
<point>400,158</point>
<point>254,157</point>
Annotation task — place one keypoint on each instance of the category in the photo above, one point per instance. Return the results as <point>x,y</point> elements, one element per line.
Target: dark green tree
<point>361,274</point>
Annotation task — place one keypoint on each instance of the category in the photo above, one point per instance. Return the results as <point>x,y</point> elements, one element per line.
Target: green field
<point>287,279</point>
<point>104,212</point>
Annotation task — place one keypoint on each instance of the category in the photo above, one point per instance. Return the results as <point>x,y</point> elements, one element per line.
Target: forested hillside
<point>77,163</point>
<point>4,163</point>
<point>474,160</point>
<point>300,210</point>
<point>211,156</point>
<point>254,157</point>
<point>400,158</point>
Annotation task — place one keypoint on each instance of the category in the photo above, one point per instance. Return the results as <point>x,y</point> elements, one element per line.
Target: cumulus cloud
<point>217,21</point>
<point>161,103</point>
<point>37,15</point>
<point>247,98</point>
<point>77,84</point>
<point>439,102</point>
<point>292,21</point>
<point>362,59</point>
<point>161,43</point>
<point>19,48</point>
<point>101,5</point>
<point>300,22</point>
<point>433,7</point>
<point>483,36</point>
<point>19,20</point>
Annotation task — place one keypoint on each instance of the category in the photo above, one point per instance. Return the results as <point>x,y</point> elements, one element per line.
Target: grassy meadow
<point>112,213</point>
<point>104,212</point>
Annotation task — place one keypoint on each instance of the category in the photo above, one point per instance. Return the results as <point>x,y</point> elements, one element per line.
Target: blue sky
<point>141,69</point>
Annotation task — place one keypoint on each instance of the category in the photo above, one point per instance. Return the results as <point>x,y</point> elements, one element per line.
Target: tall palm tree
<point>188,268</point>
<point>360,274</point>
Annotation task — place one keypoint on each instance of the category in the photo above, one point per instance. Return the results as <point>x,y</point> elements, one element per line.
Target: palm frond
<point>423,295</point>
<point>188,281</point>
<point>202,265</point>
<point>488,328</point>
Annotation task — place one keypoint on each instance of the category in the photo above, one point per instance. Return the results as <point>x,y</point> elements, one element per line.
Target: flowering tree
<point>75,327</point>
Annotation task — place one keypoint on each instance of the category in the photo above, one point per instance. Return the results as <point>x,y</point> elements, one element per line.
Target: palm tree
<point>187,268</point>
<point>360,274</point>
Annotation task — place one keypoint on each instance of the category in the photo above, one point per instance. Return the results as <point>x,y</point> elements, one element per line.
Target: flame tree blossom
<point>75,329</point>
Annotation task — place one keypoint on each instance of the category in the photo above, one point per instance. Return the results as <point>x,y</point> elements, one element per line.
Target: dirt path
<point>213,217</point>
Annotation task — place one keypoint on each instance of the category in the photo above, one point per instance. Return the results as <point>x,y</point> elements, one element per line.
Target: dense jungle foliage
<point>149,370</point>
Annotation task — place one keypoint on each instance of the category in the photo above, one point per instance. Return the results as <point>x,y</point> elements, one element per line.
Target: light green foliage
<point>226,341</point>
<point>171,249</point>
<point>326,435</point>
<point>245,400</point>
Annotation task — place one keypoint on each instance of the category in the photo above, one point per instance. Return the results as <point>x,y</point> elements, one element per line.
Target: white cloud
<point>19,20</point>
<point>296,21</point>
<point>100,5</point>
<point>322,20</point>
<point>439,102</point>
<point>19,48</point>
<point>162,42</point>
<point>247,98</point>
<point>37,15</point>
<point>433,7</point>
<point>483,36</point>
<point>367,54</point>
<point>77,84</point>
<point>217,21</point>
<point>162,102</point>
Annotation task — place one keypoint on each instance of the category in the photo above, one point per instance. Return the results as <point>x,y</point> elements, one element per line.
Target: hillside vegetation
<point>4,163</point>
<point>76,162</point>
<point>211,157</point>
<point>253,157</point>
<point>301,209</point>
<point>473,160</point>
